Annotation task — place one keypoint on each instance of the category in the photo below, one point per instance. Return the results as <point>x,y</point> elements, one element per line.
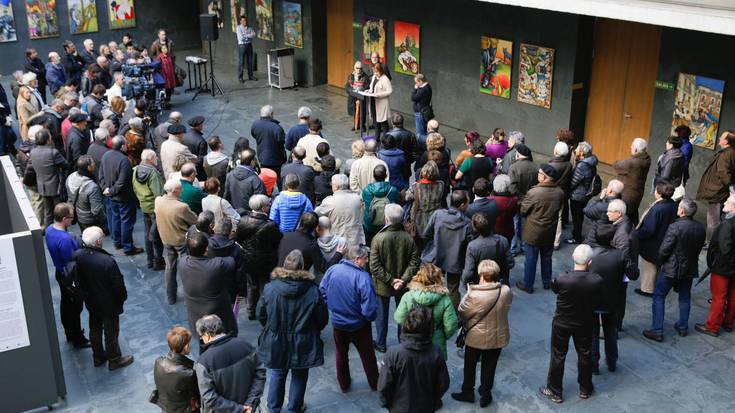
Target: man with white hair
<point>160,133</point>
<point>104,291</point>
<point>632,172</point>
<point>271,140</point>
<point>30,80</point>
<point>514,138</point>
<point>432,126</point>
<point>148,185</point>
<point>88,54</point>
<point>299,130</point>
<point>173,219</point>
<point>106,75</point>
<point>394,260</point>
<point>361,173</point>
<point>596,208</point>
<point>345,209</point>
<point>51,117</point>
<point>578,292</point>
<point>55,76</point>
<point>118,80</point>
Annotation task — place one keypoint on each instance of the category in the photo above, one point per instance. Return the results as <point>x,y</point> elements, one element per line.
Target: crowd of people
<point>304,239</point>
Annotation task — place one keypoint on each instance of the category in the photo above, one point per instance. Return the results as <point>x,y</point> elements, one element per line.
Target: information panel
<point>13,325</point>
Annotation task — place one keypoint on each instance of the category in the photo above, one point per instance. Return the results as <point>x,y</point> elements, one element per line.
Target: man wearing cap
<point>31,82</point>
<point>194,140</point>
<point>540,208</point>
<point>299,130</point>
<point>522,176</point>
<point>173,148</point>
<point>160,134</point>
<point>77,141</point>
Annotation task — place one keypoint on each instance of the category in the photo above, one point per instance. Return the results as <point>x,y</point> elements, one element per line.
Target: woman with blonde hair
<point>358,149</point>
<point>25,110</point>
<point>427,289</point>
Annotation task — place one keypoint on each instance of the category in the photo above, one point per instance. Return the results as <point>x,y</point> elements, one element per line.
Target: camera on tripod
<point>139,81</point>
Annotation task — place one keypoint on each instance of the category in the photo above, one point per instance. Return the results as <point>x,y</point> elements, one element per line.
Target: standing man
<point>73,63</point>
<point>191,195</point>
<point>55,76</point>
<point>160,133</point>
<point>88,54</point>
<point>104,294</point>
<point>77,141</point>
<point>714,188</point>
<point>345,210</point>
<point>172,149</point>
<point>299,130</point>
<point>670,165</point>
<point>49,167</point>
<point>271,140</point>
<point>310,141</point>
<point>194,140</point>
<point>632,172</point>
<point>578,292</point>
<point>651,231</point>
<point>523,174</point>
<point>161,41</point>
<point>148,185</point>
<point>421,98</point>
<point>61,246</point>
<point>245,36</point>
<point>36,66</point>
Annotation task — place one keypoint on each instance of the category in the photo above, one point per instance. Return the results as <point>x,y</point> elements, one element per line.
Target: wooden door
<point>623,81</point>
<point>339,41</point>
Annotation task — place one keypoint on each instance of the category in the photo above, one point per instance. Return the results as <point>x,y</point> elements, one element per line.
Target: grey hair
<point>108,124</point>
<point>33,131</point>
<point>420,78</point>
<point>118,75</point>
<point>188,169</point>
<point>71,96</point>
<point>561,149</point>
<point>616,187</point>
<point>147,155</point>
<point>172,185</point>
<point>393,214</point>
<point>304,112</point>
<point>258,202</point>
<point>291,181</point>
<point>101,134</point>
<point>92,235</point>
<point>582,254</point>
<point>88,41</point>
<point>136,123</point>
<point>357,251</point>
<point>325,222</point>
<point>118,142</point>
<point>617,205</point>
<point>639,145</point>
<point>501,183</point>
<point>57,102</point>
<point>341,181</point>
<point>585,148</point>
<point>371,146</point>
<point>266,111</point>
<point>210,324</point>
<point>688,206</point>
<point>517,136</point>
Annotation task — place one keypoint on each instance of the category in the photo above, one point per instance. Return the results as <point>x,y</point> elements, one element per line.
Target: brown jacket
<point>492,331</point>
<point>173,218</point>
<point>717,178</point>
<point>541,207</point>
<point>632,172</point>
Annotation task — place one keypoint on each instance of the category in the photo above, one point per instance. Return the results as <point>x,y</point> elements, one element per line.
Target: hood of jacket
<point>427,295</point>
<point>391,153</point>
<point>76,181</point>
<point>216,157</point>
<point>219,242</point>
<point>242,173</point>
<point>674,153</point>
<point>416,342</point>
<point>590,160</point>
<point>379,189</point>
<point>329,242</point>
<point>453,220</point>
<point>26,146</point>
<point>292,283</point>
<point>143,172</point>
<point>52,112</point>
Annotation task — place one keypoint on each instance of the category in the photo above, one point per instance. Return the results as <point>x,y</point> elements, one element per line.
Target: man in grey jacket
<point>487,246</point>
<point>49,167</point>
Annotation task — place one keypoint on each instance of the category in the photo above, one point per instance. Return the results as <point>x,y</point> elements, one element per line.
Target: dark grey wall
<point>178,17</point>
<point>310,61</point>
<point>450,58</point>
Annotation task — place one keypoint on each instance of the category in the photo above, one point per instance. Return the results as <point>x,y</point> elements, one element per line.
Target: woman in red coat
<point>507,206</point>
<point>168,70</point>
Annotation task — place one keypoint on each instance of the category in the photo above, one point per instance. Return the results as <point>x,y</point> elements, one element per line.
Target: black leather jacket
<point>259,238</point>
<point>176,383</point>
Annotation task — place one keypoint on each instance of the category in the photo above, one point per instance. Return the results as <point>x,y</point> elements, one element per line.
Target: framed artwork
<point>406,47</point>
<point>373,38</point>
<point>43,21</point>
<point>7,22</point>
<point>215,7</point>
<point>697,104</point>
<point>237,8</point>
<point>264,16</point>
<point>292,26</point>
<point>82,16</point>
<point>535,75</point>
<point>121,13</point>
<point>495,67</point>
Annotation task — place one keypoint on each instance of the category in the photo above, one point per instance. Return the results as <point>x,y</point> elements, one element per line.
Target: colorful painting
<point>697,104</point>
<point>82,16</point>
<point>7,22</point>
<point>535,75</point>
<point>237,8</point>
<point>42,19</point>
<point>495,69</point>
<point>264,16</point>
<point>215,7</point>
<point>373,38</point>
<point>122,14</point>
<point>292,26</point>
<point>407,47</point>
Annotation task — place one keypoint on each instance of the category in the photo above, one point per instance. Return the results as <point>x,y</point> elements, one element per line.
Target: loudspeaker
<point>208,29</point>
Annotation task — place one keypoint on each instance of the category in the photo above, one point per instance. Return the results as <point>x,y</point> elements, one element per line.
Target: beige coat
<point>345,209</point>
<point>309,143</point>
<point>25,110</point>
<point>381,92</point>
<point>492,331</point>
<point>171,150</point>
<point>173,219</point>
<point>361,172</point>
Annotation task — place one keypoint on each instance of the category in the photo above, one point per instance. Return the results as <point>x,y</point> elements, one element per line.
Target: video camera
<point>140,81</point>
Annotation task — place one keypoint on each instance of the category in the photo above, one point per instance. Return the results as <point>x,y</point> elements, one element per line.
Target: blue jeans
<point>529,270</point>
<point>277,389</point>
<point>381,322</point>
<point>516,244</point>
<point>122,220</point>
<point>420,124</point>
<point>660,291</point>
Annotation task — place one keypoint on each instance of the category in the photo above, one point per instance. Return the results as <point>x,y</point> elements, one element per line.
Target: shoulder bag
<point>464,330</point>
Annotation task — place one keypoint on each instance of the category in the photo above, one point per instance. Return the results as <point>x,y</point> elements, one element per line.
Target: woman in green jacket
<point>427,289</point>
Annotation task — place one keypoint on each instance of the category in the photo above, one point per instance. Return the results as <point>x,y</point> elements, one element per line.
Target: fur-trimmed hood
<point>282,273</point>
<point>436,289</point>
<point>291,284</point>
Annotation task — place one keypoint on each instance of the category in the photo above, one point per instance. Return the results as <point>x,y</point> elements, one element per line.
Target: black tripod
<point>211,80</point>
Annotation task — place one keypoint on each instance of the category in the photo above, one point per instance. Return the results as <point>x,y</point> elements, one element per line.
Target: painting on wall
<point>373,38</point>
<point>697,104</point>
<point>237,8</point>
<point>264,15</point>
<point>535,75</point>
<point>42,19</point>
<point>495,69</point>
<point>215,7</point>
<point>7,22</point>
<point>121,13</point>
<point>407,47</point>
<point>292,26</point>
<point>82,16</point>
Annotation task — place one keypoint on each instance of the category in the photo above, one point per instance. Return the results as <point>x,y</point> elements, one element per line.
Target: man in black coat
<point>77,141</point>
<point>271,140</point>
<point>651,231</point>
<point>405,139</point>
<point>51,118</point>
<point>220,245</point>
<point>678,256</point>
<point>104,294</point>
<point>304,240</point>
<point>35,65</point>
<point>72,62</point>
<point>421,98</point>
<point>243,182</point>
<point>206,282</point>
<point>578,293</point>
<point>305,173</point>
<point>194,140</point>
<point>98,148</point>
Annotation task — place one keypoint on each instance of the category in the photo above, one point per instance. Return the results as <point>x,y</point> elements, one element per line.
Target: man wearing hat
<point>160,134</point>
<point>522,174</point>
<point>194,140</point>
<point>77,141</point>
<point>173,148</point>
<point>31,82</point>
<point>540,208</point>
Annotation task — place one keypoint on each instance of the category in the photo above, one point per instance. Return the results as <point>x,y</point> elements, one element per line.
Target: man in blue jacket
<point>350,296</point>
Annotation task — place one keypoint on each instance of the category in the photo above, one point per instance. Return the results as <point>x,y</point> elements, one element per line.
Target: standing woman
<point>381,91</point>
<point>357,81</point>
<point>496,146</point>
<point>426,196</point>
<point>25,110</point>
<point>176,383</point>
<point>474,167</point>
<point>484,310</point>
<point>168,70</point>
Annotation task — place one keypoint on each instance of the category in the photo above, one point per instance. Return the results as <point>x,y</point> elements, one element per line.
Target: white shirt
<point>245,34</point>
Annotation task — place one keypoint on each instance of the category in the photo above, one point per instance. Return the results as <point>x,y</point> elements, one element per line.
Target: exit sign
<point>660,84</point>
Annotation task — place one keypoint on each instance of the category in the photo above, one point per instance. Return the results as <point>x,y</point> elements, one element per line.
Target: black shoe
<point>704,330</point>
<point>81,343</point>
<point>251,316</point>
<point>547,286</point>
<point>99,362</point>
<point>150,265</point>
<point>611,367</point>
<point>159,266</point>
<point>254,79</point>
<point>118,247</point>
<point>680,331</point>
<point>585,396</point>
<point>379,349</point>
<point>652,335</point>
<point>728,330</point>
<point>172,301</point>
<point>520,286</point>
<point>134,251</point>
<point>596,370</point>
<point>546,392</point>
<point>119,362</point>
<point>571,241</point>
<point>486,400</point>
<point>643,293</point>
<point>460,353</point>
<point>464,397</point>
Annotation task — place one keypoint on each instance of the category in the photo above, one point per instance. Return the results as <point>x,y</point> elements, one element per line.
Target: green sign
<point>356,25</point>
<point>660,84</point>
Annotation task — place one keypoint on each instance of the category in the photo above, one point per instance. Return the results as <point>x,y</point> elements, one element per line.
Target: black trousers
<point>380,129</point>
<point>256,283</point>
<point>609,323</point>
<point>49,202</point>
<point>70,309</point>
<point>582,336</point>
<point>489,360</point>
<point>245,54</point>
<point>153,244</point>
<point>577,208</point>
<point>110,326</point>
<point>621,305</point>
<point>453,281</point>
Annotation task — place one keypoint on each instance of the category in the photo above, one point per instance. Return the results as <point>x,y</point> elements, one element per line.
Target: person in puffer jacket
<point>580,186</point>
<point>86,195</point>
<point>289,205</point>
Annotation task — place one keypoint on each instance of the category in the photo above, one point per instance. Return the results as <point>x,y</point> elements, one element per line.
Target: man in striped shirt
<point>245,36</point>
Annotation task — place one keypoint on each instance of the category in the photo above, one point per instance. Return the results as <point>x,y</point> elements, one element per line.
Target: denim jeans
<point>277,389</point>
<point>122,220</point>
<point>516,244</point>
<point>381,322</point>
<point>529,270</point>
<point>663,286</point>
<point>420,123</point>
<point>245,60</point>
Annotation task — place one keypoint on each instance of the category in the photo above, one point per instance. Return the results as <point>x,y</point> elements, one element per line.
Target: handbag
<point>464,330</point>
<point>410,224</point>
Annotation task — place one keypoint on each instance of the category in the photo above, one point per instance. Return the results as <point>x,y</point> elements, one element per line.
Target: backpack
<point>376,215</point>
<point>595,187</point>
<point>70,281</point>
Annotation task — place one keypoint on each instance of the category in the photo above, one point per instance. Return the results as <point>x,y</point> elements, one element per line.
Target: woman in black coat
<point>176,383</point>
